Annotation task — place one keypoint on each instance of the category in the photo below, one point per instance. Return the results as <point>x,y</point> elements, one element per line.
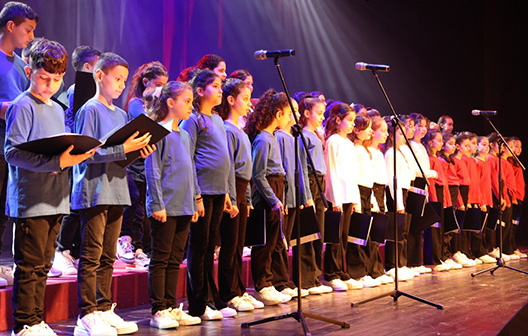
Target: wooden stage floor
<point>472,306</point>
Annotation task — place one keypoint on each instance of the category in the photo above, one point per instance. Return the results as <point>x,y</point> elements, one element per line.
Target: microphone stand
<point>298,315</point>
<point>396,293</point>
<point>500,261</point>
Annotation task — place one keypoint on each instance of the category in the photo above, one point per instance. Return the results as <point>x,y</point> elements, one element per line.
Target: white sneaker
<point>325,289</point>
<point>268,296</point>
<point>64,262</point>
<point>477,261</point>
<point>228,312</point>
<point>486,259</point>
<point>289,291</point>
<point>494,253</point>
<point>284,297</point>
<point>211,314</point>
<point>353,284</point>
<point>239,304</point>
<point>442,267</point>
<point>514,256</point>
<point>125,250</point>
<point>385,279</point>
<point>183,318</point>
<point>93,325</point>
<point>141,259</point>
<point>114,320</point>
<point>338,285</point>
<point>54,273</point>
<point>256,303</point>
<point>412,271</point>
<point>315,290</point>
<point>453,264</point>
<point>460,258</point>
<point>163,319</point>
<point>506,257</point>
<point>7,273</point>
<point>369,282</point>
<point>41,329</point>
<point>519,253</point>
<point>3,283</point>
<point>403,275</point>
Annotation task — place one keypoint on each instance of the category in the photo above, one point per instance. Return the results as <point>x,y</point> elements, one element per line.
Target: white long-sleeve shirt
<point>423,159</point>
<point>341,164</point>
<point>404,174</point>
<point>379,173</point>
<point>365,173</point>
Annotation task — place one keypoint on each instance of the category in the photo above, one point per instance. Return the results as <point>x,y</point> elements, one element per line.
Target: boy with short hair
<point>17,23</point>
<point>66,257</point>
<point>100,191</point>
<point>37,189</point>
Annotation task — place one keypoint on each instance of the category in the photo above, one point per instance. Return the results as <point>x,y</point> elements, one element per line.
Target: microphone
<point>361,66</point>
<point>263,54</point>
<point>483,113</point>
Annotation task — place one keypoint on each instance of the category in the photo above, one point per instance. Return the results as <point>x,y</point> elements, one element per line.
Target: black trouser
<point>433,236</point>
<point>390,257</point>
<point>34,246</point>
<point>279,258</point>
<point>168,245</point>
<point>201,288</point>
<point>357,256</point>
<point>335,264</point>
<point>3,191</point>
<point>135,222</point>
<point>100,227</point>
<point>261,255</point>
<point>376,267</point>
<point>317,245</point>
<point>447,247</point>
<point>460,241</point>
<point>70,230</point>
<point>507,231</point>
<point>233,233</point>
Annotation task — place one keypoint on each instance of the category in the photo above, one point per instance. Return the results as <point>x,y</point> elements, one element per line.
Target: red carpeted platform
<point>129,289</point>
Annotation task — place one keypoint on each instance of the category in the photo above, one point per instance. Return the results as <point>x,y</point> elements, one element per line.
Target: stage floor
<point>472,306</point>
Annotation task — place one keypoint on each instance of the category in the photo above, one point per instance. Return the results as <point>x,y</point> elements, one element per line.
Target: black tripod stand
<point>396,293</point>
<point>500,261</point>
<point>298,315</point>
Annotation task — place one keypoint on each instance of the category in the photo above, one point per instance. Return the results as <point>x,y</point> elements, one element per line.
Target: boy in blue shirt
<point>37,189</point>
<point>17,23</point>
<point>100,191</point>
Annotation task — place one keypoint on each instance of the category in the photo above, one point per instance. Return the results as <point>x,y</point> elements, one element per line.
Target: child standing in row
<point>272,111</point>
<point>100,192</point>
<point>171,205</point>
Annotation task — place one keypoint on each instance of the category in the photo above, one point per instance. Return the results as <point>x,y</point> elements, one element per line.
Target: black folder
<point>309,227</point>
<point>429,218</point>
<point>141,123</point>
<point>390,226</point>
<point>492,218</point>
<point>84,89</point>
<point>473,220</point>
<point>56,144</point>
<point>437,206</point>
<point>256,228</point>
<point>450,221</point>
<point>378,231</point>
<point>416,200</point>
<point>332,229</point>
<point>419,182</point>
<point>359,231</point>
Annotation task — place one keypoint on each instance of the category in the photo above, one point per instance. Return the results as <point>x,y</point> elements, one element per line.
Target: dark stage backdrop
<point>446,57</point>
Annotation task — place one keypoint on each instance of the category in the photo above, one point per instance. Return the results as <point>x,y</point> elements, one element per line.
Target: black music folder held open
<point>415,203</point>
<point>141,123</point>
<point>332,227</point>
<point>84,89</point>
<point>359,231</point>
<point>473,220</point>
<point>450,221</point>
<point>57,144</point>
<point>492,218</point>
<point>400,220</point>
<point>256,228</point>
<point>309,227</point>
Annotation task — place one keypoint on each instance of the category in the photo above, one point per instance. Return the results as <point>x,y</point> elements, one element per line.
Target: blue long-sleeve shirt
<point>287,148</point>
<point>99,180</point>
<point>266,161</point>
<point>240,154</point>
<point>315,147</point>
<point>210,153</point>
<point>36,184</point>
<point>170,175</point>
<point>68,113</point>
<point>13,81</point>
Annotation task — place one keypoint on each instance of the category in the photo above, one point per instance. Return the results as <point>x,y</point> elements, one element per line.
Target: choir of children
<point>200,184</point>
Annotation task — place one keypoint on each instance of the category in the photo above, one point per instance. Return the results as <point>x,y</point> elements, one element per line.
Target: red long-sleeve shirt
<point>442,179</point>
<point>474,196</point>
<point>484,171</point>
